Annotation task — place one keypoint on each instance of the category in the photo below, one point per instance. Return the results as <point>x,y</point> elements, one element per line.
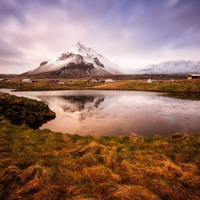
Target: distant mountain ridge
<point>170,67</point>
<point>78,61</point>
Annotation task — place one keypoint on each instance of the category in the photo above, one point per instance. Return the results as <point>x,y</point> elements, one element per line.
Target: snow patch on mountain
<point>170,67</point>
<point>79,55</point>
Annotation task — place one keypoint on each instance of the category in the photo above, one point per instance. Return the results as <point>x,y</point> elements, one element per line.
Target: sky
<point>131,33</point>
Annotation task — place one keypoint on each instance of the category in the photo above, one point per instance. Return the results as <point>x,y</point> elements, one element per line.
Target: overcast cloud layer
<point>131,33</point>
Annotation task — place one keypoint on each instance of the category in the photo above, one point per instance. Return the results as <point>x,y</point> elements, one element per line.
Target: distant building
<point>109,80</point>
<point>149,81</point>
<point>193,76</point>
<point>96,80</point>
<point>57,82</point>
<point>92,81</point>
<point>27,81</point>
<point>61,83</point>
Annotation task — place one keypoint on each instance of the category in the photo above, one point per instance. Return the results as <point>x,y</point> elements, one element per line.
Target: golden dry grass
<point>45,165</point>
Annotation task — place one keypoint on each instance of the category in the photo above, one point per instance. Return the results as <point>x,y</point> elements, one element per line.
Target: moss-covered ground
<point>24,111</point>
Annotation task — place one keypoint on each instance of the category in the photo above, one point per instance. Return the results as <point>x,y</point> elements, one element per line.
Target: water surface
<point>114,113</point>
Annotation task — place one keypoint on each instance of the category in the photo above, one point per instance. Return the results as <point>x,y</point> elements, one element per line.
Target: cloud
<point>130,33</point>
<point>173,2</point>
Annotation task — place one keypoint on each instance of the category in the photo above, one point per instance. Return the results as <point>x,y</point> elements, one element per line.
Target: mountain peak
<point>79,45</point>
<point>77,48</point>
<point>79,60</point>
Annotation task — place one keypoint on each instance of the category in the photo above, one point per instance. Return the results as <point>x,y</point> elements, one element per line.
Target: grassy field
<point>158,86</point>
<point>40,164</point>
<point>181,86</point>
<point>45,165</point>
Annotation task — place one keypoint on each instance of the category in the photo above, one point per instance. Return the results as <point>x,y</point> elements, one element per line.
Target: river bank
<point>24,110</point>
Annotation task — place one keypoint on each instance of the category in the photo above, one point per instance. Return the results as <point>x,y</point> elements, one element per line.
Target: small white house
<point>193,76</point>
<point>109,81</point>
<point>149,81</point>
<point>57,82</point>
<point>92,80</point>
<point>61,83</point>
<point>27,81</point>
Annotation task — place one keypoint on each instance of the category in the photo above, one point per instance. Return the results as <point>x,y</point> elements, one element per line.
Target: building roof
<point>193,75</point>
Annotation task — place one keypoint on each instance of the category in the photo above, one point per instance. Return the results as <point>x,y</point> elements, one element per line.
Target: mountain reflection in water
<point>85,106</point>
<point>113,113</point>
<point>118,115</point>
<point>81,114</point>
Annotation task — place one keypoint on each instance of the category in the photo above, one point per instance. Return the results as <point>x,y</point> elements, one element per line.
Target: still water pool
<point>114,113</point>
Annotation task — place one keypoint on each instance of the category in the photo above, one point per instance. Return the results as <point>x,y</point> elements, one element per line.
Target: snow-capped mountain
<point>170,67</point>
<point>76,62</point>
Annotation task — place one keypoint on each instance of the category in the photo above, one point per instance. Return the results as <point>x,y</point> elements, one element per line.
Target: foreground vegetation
<point>183,86</point>
<point>40,164</point>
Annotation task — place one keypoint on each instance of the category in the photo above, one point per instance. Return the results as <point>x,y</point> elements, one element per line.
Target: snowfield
<point>170,67</point>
